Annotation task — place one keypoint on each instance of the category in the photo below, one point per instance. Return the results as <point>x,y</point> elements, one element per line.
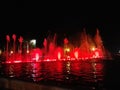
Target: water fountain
<point>89,48</point>
<point>68,65</point>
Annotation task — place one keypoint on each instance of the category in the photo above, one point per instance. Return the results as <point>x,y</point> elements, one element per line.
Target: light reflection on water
<point>77,73</point>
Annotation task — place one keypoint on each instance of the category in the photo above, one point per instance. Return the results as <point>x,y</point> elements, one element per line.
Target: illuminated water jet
<point>89,48</point>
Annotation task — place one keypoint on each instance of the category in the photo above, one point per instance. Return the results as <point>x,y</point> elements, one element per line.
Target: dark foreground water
<point>82,75</point>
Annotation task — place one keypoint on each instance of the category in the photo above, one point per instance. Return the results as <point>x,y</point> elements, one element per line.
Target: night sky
<point>39,23</point>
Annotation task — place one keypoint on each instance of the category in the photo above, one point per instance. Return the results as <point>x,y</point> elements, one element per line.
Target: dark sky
<point>37,23</point>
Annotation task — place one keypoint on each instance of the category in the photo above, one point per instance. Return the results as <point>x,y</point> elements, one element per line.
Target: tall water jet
<point>20,41</point>
<point>99,44</point>
<point>51,50</point>
<point>103,53</point>
<point>52,46</point>
<point>14,43</point>
<point>84,45</point>
<point>20,49</point>
<point>7,46</point>
<point>49,47</point>
<point>66,48</point>
<point>59,53</point>
<point>45,46</point>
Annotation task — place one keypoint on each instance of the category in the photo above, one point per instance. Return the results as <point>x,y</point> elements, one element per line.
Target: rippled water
<point>87,75</point>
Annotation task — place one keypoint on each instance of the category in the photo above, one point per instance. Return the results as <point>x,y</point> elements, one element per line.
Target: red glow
<point>65,41</point>
<point>36,54</point>
<point>89,48</point>
<point>59,53</point>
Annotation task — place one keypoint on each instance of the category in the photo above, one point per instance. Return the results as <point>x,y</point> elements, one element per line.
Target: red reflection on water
<point>61,71</point>
<point>59,67</point>
<point>35,71</point>
<point>13,70</point>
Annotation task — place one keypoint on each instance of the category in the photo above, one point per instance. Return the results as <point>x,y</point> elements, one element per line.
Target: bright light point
<point>11,52</point>
<point>48,60</point>
<point>37,56</point>
<point>28,51</point>
<point>67,49</point>
<point>67,77</point>
<point>96,55</point>
<point>59,55</point>
<point>76,55</point>
<point>68,64</point>
<point>33,42</point>
<point>17,61</point>
<point>93,48</point>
